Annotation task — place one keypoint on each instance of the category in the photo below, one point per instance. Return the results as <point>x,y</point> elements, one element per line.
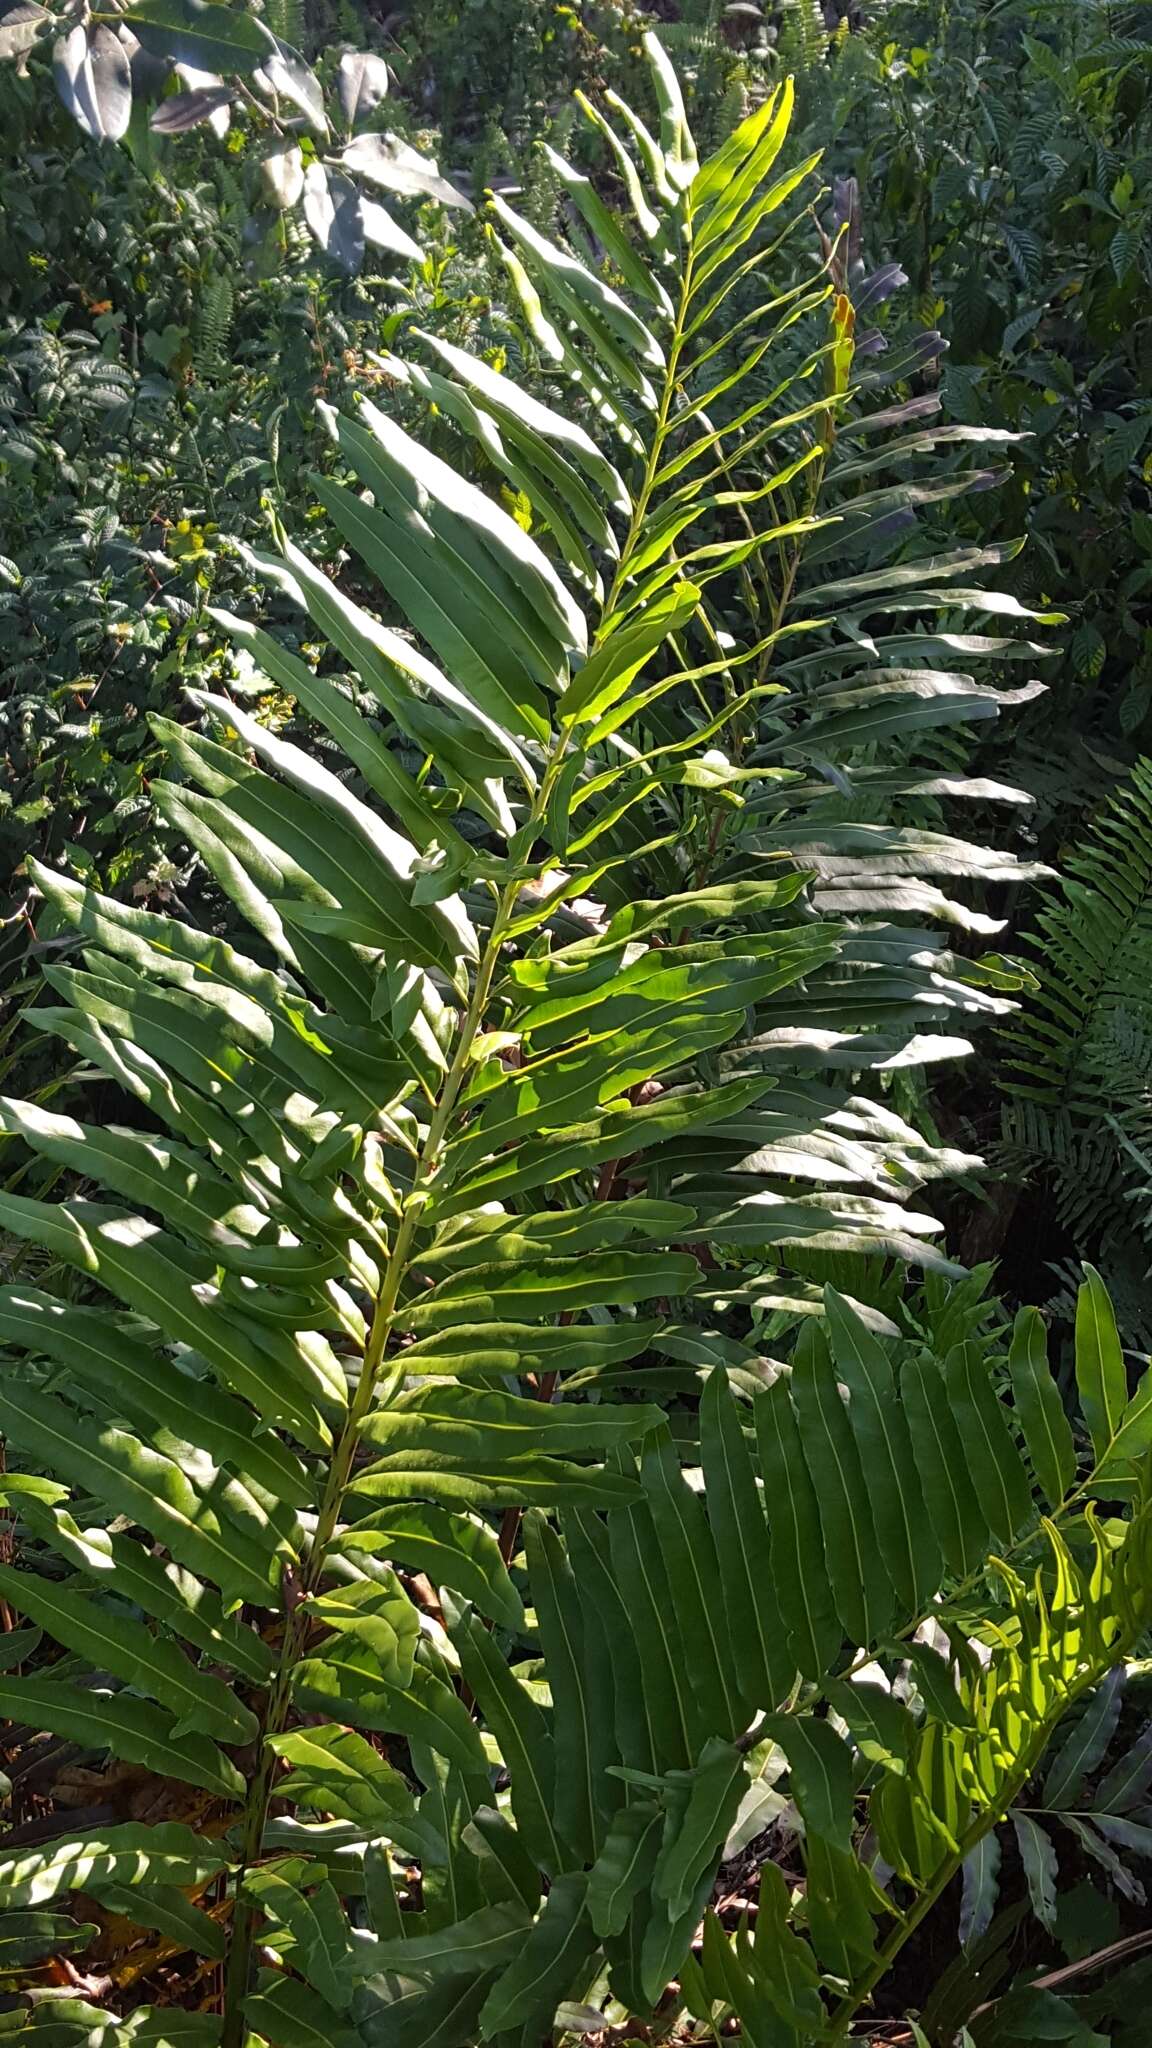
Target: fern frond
<point>213,327</point>
<point>1080,1053</point>
<point>584,943</point>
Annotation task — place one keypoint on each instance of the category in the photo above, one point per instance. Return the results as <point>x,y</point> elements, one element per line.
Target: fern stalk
<point>246,1913</point>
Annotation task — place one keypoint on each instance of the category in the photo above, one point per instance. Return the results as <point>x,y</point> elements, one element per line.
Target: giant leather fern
<point>522,1051</point>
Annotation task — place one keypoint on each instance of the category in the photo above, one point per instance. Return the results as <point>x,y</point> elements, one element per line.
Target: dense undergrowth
<point>554,648</point>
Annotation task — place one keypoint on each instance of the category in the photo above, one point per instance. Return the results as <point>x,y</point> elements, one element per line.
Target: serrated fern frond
<point>1079,1068</point>
<point>213,327</point>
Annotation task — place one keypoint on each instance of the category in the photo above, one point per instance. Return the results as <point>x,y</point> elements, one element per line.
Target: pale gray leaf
<point>94,80</point>
<point>21,27</point>
<point>282,176</point>
<point>361,84</point>
<point>385,160</point>
<point>332,211</point>
<point>189,109</point>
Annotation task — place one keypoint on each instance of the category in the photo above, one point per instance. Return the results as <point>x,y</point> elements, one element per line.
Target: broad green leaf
<point>742,160</point>
<point>1101,1374</point>
<point>136,1731</point>
<point>318,854</point>
<point>453,1550</point>
<point>330,704</point>
<point>701,1813</point>
<point>881,1728</point>
<point>1084,1746</point>
<point>1101,1851</point>
<point>1128,1780</point>
<point>881,1432</point>
<point>725,903</point>
<point>991,1457</point>
<point>380,1898</point>
<point>799,1578</point>
<point>111,1641</point>
<point>531,1480</point>
<point>1047,1430</point>
<point>611,1642</point>
<point>496,1844</point>
<point>291,2015</point>
<point>1134,1433</point>
<point>615,331</point>
<point>556,492</point>
<point>496,1293</point>
<point>521,1730</point>
<point>333,211</point>
<point>321,1946</point>
<point>63,2022</point>
<point>954,1513</point>
<point>861,1590</point>
<point>624,1866</point>
<point>18,1644</point>
<point>507,400</point>
<point>820,1772</point>
<point>99,1350</point>
<point>486,1940</point>
<point>568,1150</point>
<point>556,1232</point>
<point>526,1995</point>
<point>582,1734</point>
<point>980,1889</point>
<point>680,158</point>
<point>541,611</point>
<point>149,941</point>
<point>347,1682</point>
<point>32,1937</point>
<point>784,1963</point>
<point>378,1612</point>
<point>753,1625</point>
<point>336,1772</point>
<point>148,1269</point>
<point>163,1852</point>
<point>640,1582</point>
<point>412,562</point>
<point>150,1489</point>
<point>937,1684</point>
<point>168,1911</point>
<point>172,1180</point>
<point>745,222</point>
<point>490,1427</point>
<point>689,1554</point>
<point>348,849</point>
<point>94,80</point>
<point>641,277</point>
<point>616,662</point>
<point>443,2015</point>
<point>473,1349</point>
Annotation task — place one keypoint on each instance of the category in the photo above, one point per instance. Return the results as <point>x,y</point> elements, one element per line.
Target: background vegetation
<point>177,306</point>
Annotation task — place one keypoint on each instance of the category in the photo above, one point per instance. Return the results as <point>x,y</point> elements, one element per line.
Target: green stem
<point>989,1818</point>
<point>279,1698</point>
